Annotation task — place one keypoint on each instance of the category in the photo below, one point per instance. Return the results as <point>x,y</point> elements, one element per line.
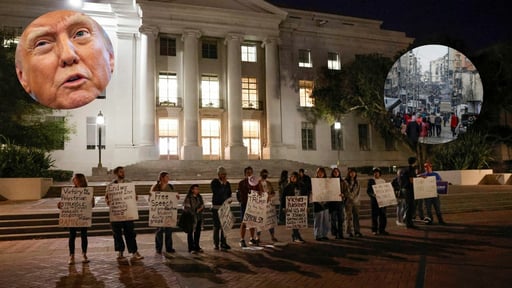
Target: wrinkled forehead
<point>56,21</point>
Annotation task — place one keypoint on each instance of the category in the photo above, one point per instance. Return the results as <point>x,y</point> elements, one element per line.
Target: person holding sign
<point>352,203</point>
<point>194,205</point>
<point>407,180</point>
<point>123,227</point>
<point>379,218</point>
<point>242,194</point>
<point>435,201</point>
<point>221,191</point>
<point>321,221</point>
<point>266,186</point>
<point>294,188</point>
<point>79,180</point>
<point>163,185</point>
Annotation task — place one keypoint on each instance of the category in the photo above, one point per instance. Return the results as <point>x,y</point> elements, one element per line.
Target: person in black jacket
<point>379,218</point>
<point>294,188</point>
<point>221,189</point>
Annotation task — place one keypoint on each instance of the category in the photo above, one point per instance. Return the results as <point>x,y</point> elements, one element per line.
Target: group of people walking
<point>340,218</point>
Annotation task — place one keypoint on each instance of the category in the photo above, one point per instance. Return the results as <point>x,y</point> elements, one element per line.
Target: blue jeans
<point>437,207</point>
<point>72,237</point>
<point>159,239</point>
<point>217,229</point>
<point>321,223</point>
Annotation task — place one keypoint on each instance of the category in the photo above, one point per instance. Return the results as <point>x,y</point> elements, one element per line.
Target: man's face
<point>120,174</point>
<point>64,59</point>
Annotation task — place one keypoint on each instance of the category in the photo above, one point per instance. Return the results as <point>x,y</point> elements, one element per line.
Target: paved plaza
<point>473,250</point>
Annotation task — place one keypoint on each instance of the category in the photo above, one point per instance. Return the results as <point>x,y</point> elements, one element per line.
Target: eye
<point>41,43</point>
<point>81,33</point>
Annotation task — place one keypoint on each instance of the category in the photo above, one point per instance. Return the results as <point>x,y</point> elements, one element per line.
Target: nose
<point>68,55</point>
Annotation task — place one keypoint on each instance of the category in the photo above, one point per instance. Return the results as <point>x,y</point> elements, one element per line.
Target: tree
<point>358,87</point>
<point>23,121</point>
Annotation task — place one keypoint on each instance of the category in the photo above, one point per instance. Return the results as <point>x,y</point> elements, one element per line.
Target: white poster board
<point>256,210</point>
<point>123,202</point>
<point>76,207</point>
<point>270,216</point>
<point>385,194</point>
<point>425,187</point>
<point>325,189</point>
<point>163,209</point>
<point>226,217</point>
<point>296,212</point>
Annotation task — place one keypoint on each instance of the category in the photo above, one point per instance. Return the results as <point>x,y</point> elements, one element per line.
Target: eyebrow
<point>69,21</point>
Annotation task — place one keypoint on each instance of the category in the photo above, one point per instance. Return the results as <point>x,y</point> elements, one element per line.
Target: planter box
<point>24,188</point>
<point>464,177</point>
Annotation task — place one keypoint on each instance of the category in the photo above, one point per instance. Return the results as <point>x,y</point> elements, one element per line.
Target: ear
<point>23,81</point>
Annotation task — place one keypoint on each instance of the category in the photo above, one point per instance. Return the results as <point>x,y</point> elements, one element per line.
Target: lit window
<point>167,89</point>
<point>251,138</point>
<point>305,58</point>
<point>308,136</point>
<point>210,138</point>
<point>305,90</point>
<point>168,136</point>
<point>250,93</point>
<point>333,61</point>
<point>249,53</point>
<point>167,46</point>
<point>210,91</point>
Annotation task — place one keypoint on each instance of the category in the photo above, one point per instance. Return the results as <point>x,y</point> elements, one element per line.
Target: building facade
<point>218,80</point>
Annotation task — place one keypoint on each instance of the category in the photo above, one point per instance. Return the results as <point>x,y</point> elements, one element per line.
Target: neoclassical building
<point>201,79</point>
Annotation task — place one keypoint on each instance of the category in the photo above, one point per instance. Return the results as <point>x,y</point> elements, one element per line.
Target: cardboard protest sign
<point>425,187</point>
<point>226,217</point>
<point>123,202</point>
<point>325,189</point>
<point>76,207</point>
<point>296,212</point>
<point>385,194</point>
<point>163,209</point>
<point>270,217</point>
<point>256,210</point>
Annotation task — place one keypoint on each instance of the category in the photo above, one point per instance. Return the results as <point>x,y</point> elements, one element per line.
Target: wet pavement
<point>473,250</point>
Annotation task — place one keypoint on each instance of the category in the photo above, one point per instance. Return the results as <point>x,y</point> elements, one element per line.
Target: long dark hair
<point>82,181</point>
<point>191,188</point>
<point>348,175</point>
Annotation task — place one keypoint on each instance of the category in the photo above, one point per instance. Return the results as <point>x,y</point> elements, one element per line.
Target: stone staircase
<point>45,225</point>
<point>205,169</point>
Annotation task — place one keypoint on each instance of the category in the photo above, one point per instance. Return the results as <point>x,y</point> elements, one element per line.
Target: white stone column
<point>236,148</point>
<point>190,150</point>
<point>145,104</point>
<point>274,145</point>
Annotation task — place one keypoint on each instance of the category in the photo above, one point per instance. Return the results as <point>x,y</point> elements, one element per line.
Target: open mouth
<point>74,78</point>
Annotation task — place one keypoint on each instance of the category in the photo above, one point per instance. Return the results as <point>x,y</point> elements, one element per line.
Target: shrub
<point>58,175</point>
<point>19,161</point>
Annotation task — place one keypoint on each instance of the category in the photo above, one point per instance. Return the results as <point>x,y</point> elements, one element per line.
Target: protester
<point>221,191</point>
<point>400,193</point>
<point>321,222</point>
<point>435,201</point>
<point>266,187</point>
<point>337,208</point>
<point>79,180</point>
<point>194,205</point>
<point>294,188</point>
<point>283,181</point>
<point>352,203</point>
<point>163,185</point>
<point>64,59</point>
<point>244,189</point>
<point>126,228</point>
<point>379,217</point>
<point>408,177</point>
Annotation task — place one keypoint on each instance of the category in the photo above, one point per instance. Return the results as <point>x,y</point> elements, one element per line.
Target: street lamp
<point>337,128</point>
<point>100,120</point>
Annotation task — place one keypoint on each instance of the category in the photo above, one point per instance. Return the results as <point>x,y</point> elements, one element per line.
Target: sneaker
<point>398,223</point>
<point>375,233</point>
<point>172,250</point>
<point>253,242</point>
<point>137,256</point>
<point>71,260</point>
<point>169,254</point>
<point>298,240</point>
<point>193,252</point>
<point>225,246</point>
<point>120,255</point>
<point>242,243</point>
<point>200,250</point>
<point>85,260</point>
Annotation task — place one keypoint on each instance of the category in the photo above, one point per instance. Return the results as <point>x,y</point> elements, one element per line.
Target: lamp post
<point>337,128</point>
<point>100,120</point>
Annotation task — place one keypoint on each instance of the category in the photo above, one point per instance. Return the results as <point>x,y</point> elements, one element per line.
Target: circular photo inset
<point>434,93</point>
<point>64,59</point>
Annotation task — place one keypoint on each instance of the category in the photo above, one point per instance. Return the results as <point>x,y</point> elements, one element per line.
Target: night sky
<point>477,23</point>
